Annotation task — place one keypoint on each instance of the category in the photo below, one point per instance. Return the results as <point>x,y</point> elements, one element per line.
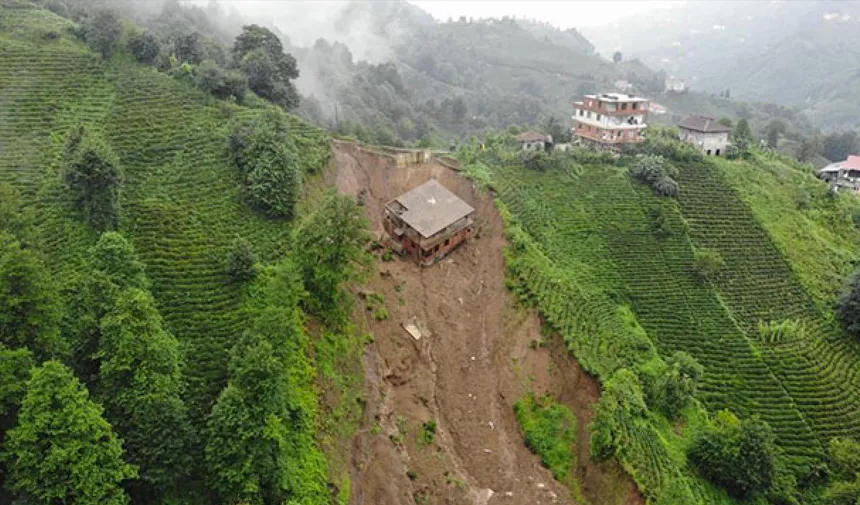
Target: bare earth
<point>465,373</point>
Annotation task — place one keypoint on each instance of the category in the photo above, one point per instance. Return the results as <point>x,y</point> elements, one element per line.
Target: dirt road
<point>464,374</point>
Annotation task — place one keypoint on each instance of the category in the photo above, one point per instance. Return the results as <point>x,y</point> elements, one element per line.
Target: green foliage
<point>678,383</point>
<point>270,71</point>
<point>622,402</point>
<point>844,454</point>
<point>707,263</point>
<point>428,432</point>
<point>330,246</point>
<point>837,146</point>
<point>550,432</point>
<point>848,306</point>
<point>15,365</point>
<point>140,383</point>
<point>221,83</point>
<point>774,129</point>
<point>15,219</point>
<point>143,46</point>
<point>740,456</point>
<point>62,450</point>
<point>242,262</point>
<point>776,332</point>
<point>653,170</point>
<point>93,175</point>
<point>102,31</point>
<point>742,137</point>
<point>29,308</point>
<point>266,157</point>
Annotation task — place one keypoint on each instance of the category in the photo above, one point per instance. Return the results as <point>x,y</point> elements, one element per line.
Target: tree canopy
<point>92,173</point>
<point>270,71</point>
<point>63,450</point>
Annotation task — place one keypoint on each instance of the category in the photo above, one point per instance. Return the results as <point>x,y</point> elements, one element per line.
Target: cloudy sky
<point>564,14</point>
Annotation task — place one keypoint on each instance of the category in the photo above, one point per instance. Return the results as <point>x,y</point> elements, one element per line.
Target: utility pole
<point>336,121</point>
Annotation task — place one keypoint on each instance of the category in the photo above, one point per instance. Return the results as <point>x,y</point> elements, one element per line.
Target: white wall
<point>707,141</point>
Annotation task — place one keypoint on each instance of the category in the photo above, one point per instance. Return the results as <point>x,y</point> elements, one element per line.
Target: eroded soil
<point>475,360</point>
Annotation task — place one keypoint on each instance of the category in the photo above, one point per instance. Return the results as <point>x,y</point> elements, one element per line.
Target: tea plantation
<point>181,201</point>
<point>612,267</point>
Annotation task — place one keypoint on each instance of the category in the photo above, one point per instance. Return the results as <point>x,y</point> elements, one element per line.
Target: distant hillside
<point>799,54</point>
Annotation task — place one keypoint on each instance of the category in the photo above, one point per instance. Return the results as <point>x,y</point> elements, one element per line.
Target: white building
<point>706,133</point>
<point>610,119</point>
<point>675,84</point>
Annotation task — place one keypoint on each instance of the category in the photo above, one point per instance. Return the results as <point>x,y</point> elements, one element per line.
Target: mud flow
<point>439,424</point>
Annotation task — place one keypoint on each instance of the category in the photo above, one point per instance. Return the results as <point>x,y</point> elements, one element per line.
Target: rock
<point>509,494</point>
<point>541,485</point>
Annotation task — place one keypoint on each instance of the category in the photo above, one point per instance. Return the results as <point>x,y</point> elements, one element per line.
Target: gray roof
<point>430,208</point>
<point>703,124</point>
<point>534,137</point>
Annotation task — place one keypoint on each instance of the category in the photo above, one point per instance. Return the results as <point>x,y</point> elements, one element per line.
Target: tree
<point>848,305</point>
<point>220,83</point>
<point>654,171</point>
<point>742,135</point>
<point>62,450</point>
<point>270,71</point>
<point>739,456</point>
<point>458,109</point>
<point>93,175</point>
<point>267,159</point>
<point>774,129</point>
<point>844,456</point>
<point>809,148</point>
<point>330,250</point>
<point>679,383</point>
<point>140,381</point>
<point>725,121</point>
<point>144,47</point>
<point>29,309</point>
<point>102,32</point>
<point>188,48</point>
<point>242,262</point>
<point>622,402</point>
<point>112,267</point>
<point>15,219</point>
<point>616,57</point>
<point>837,146</point>
<point>247,441</point>
<point>15,366</point>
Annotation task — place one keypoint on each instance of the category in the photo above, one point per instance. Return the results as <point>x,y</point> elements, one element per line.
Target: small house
<point>534,141</point>
<point>706,133</point>
<point>843,175</point>
<point>428,222</point>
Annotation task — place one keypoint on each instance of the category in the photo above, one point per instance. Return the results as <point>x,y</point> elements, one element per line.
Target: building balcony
<point>604,137</point>
<point>612,109</point>
<point>631,122</point>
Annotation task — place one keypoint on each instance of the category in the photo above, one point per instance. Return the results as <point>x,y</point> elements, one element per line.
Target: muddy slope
<point>474,361</point>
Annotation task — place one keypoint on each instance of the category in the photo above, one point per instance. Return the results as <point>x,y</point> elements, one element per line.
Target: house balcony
<point>609,137</point>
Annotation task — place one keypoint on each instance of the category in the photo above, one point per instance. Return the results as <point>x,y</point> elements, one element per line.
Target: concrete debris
<point>415,329</point>
<point>541,485</point>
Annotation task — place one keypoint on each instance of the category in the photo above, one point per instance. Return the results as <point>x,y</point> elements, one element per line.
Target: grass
<point>550,432</point>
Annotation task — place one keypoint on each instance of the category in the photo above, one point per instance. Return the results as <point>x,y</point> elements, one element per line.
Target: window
<point>709,152</point>
<point>447,241</point>
<point>634,105</point>
<point>623,106</point>
<point>598,117</point>
<point>717,152</point>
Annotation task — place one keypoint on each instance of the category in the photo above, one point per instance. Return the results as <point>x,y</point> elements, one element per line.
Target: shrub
<point>654,171</point>
<point>679,383</point>
<point>622,402</point>
<point>550,432</point>
<point>428,432</point>
<point>739,456</point>
<point>774,332</point>
<point>144,47</point>
<point>665,186</point>
<point>242,262</point>
<point>707,263</point>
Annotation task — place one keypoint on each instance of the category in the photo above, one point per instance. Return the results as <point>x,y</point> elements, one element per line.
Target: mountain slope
<point>754,49</point>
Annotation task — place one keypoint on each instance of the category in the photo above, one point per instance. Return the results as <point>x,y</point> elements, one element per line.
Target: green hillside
<point>182,209</point>
<point>604,258</point>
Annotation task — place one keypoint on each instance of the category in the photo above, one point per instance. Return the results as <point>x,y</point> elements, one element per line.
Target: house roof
<point>617,97</point>
<point>533,137</point>
<point>430,208</point>
<point>852,163</point>
<point>703,124</point>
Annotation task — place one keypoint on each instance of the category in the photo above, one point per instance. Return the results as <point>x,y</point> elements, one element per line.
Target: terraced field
<point>181,201</point>
<point>595,250</point>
